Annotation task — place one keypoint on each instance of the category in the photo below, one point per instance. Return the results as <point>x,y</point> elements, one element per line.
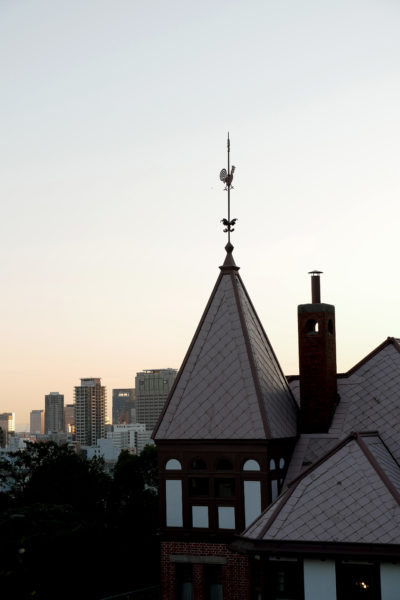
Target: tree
<point>62,507</point>
<point>50,473</point>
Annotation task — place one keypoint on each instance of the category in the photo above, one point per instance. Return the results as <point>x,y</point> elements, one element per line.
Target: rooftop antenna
<point>226,176</point>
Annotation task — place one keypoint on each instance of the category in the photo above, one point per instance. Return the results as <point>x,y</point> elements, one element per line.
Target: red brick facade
<point>317,358</point>
<point>235,569</point>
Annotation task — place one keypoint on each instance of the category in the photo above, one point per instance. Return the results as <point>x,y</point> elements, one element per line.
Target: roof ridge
<point>389,340</point>
<point>376,465</point>
<point>250,354</point>
<point>276,361</point>
<point>187,355</point>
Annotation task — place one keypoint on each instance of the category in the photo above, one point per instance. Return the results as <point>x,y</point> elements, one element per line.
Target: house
<point>274,487</point>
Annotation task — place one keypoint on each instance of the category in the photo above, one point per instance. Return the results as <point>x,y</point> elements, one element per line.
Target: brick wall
<point>235,570</point>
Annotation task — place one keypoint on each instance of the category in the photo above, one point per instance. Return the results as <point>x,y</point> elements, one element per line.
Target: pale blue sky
<point>113,126</point>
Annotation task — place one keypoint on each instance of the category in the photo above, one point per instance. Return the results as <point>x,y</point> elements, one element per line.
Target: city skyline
<point>115,120</point>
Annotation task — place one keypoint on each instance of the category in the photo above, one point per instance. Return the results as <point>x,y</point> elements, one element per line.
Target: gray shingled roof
<point>370,397</point>
<point>349,496</point>
<point>369,400</point>
<point>230,385</point>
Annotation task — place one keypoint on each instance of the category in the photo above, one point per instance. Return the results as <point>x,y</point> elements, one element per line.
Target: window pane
<point>251,465</point>
<point>198,464</point>
<point>198,486</point>
<point>184,582</point>
<point>224,488</point>
<point>252,501</point>
<point>274,489</point>
<point>224,465</point>
<point>226,517</point>
<point>200,516</point>
<point>173,492</point>
<point>173,465</point>
<point>357,581</point>
<point>213,582</point>
<point>283,580</point>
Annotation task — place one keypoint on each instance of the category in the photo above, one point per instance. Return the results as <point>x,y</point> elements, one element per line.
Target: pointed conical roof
<point>230,385</point>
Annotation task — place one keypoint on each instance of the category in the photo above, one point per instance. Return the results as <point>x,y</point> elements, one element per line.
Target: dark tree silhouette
<point>70,530</point>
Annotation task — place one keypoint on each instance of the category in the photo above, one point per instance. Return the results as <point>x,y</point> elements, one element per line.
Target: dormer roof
<point>230,385</point>
<point>349,496</point>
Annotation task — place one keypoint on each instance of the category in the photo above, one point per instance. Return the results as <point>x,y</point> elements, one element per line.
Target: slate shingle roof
<point>230,385</point>
<point>369,400</point>
<point>352,493</point>
<point>370,397</point>
<point>346,497</point>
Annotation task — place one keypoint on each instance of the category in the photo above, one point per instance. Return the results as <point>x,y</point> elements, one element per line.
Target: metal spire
<point>226,176</point>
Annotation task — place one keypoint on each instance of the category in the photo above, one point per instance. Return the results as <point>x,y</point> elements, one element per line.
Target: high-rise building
<point>37,421</point>
<point>8,418</point>
<point>7,426</point>
<point>69,418</point>
<point>123,406</point>
<point>90,411</point>
<point>152,389</point>
<point>54,413</point>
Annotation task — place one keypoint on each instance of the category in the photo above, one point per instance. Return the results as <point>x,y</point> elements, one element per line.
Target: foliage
<point>64,520</point>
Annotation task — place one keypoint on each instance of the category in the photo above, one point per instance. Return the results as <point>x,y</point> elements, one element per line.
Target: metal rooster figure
<point>227,176</point>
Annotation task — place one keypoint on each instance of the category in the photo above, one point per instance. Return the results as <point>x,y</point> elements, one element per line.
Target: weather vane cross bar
<point>227,176</point>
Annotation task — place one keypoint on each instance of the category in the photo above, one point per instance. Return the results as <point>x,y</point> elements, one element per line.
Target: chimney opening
<point>312,326</point>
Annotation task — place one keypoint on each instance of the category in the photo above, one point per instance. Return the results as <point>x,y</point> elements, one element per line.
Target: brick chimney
<point>317,359</point>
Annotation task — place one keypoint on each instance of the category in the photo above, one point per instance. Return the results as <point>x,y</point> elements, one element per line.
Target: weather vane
<point>226,176</point>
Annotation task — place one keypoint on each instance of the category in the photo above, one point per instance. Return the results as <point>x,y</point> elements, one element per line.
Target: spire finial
<point>226,176</point>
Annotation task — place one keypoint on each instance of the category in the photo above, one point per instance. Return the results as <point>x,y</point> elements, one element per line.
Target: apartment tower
<point>90,411</point>
<point>152,389</point>
<point>54,413</point>
<point>37,421</point>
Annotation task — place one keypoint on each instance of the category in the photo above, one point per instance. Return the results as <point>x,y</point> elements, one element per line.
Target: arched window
<point>198,464</point>
<point>224,464</point>
<point>251,465</point>
<point>173,465</point>
<point>281,463</point>
<point>272,464</point>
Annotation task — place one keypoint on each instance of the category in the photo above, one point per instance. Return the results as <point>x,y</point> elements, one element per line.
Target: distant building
<point>103,449</point>
<point>69,418</point>
<point>7,421</point>
<point>37,422</point>
<point>90,411</point>
<point>152,389</point>
<point>123,406</point>
<point>142,439</point>
<point>54,413</point>
<point>131,437</point>
<point>124,436</point>
<point>7,426</point>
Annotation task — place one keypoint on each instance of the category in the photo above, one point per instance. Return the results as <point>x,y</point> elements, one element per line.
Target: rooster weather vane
<point>227,176</point>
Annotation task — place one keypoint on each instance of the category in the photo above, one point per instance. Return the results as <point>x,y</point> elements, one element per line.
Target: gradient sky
<point>113,126</point>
